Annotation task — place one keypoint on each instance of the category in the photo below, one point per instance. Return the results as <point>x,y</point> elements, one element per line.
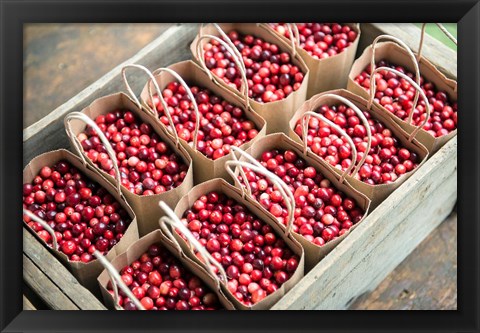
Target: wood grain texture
<point>45,288</point>
<point>383,239</point>
<point>443,57</point>
<point>58,274</point>
<point>27,305</point>
<point>49,133</point>
<point>425,280</point>
<point>71,56</point>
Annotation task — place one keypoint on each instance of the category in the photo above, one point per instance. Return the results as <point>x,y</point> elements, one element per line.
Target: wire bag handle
<point>175,222</point>
<point>293,35</point>
<point>79,149</point>
<point>190,96</point>
<point>117,282</point>
<point>417,87</point>
<point>227,39</point>
<point>362,117</point>
<point>410,54</point>
<point>44,226</point>
<point>306,120</point>
<point>422,36</point>
<point>296,33</point>
<point>233,150</point>
<point>159,92</point>
<point>279,184</point>
<point>238,61</point>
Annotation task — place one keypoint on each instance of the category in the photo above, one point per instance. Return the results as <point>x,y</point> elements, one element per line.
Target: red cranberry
<point>70,211</point>
<point>385,148</point>
<point>142,156</point>
<point>443,119</point>
<point>319,204</point>
<point>271,74</point>
<point>240,244</point>
<point>180,289</point>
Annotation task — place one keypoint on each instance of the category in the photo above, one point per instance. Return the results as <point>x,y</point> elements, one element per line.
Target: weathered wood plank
<point>439,54</point>
<point>62,59</point>
<point>383,240</point>
<point>45,288</point>
<point>58,274</point>
<point>346,269</point>
<point>425,280</point>
<point>48,133</point>
<point>27,305</point>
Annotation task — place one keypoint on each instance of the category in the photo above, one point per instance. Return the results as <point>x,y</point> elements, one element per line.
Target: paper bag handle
<point>418,88</point>
<point>362,118</point>
<point>44,226</point>
<point>159,92</point>
<point>279,184</point>
<point>117,281</point>
<point>293,35</point>
<point>305,123</point>
<point>226,39</point>
<point>422,36</point>
<point>175,222</point>
<point>190,95</point>
<point>410,54</point>
<point>238,61</point>
<point>79,149</point>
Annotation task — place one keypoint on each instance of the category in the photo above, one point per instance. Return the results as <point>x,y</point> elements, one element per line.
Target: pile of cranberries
<point>396,95</point>
<point>257,261</point>
<point>147,164</point>
<point>322,212</point>
<point>321,40</point>
<point>271,75</point>
<point>160,282</point>
<point>222,124</point>
<point>84,216</point>
<point>387,159</point>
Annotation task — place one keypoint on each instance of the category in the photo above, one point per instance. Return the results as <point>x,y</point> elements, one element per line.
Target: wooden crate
<point>354,267</point>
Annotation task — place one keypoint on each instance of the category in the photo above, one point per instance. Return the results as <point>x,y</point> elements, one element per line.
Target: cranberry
<point>168,287</point>
<point>271,74</point>
<point>321,40</point>
<point>386,149</point>
<point>71,211</point>
<point>139,153</point>
<point>222,124</point>
<point>318,203</point>
<point>241,246</point>
<point>443,118</point>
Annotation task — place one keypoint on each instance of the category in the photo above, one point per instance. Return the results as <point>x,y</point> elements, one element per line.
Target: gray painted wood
<point>425,280</point>
<point>383,239</point>
<point>443,57</point>
<point>58,274</point>
<point>45,288</point>
<point>27,305</point>
<point>364,258</point>
<point>172,46</point>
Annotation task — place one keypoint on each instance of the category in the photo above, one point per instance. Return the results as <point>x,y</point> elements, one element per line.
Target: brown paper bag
<point>395,54</point>
<point>313,252</point>
<point>278,113</point>
<point>141,246</point>
<point>329,73</point>
<point>222,186</point>
<point>145,207</point>
<point>86,273</point>
<point>376,193</point>
<point>205,168</point>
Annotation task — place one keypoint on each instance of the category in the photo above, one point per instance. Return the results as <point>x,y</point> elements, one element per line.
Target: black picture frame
<point>16,13</point>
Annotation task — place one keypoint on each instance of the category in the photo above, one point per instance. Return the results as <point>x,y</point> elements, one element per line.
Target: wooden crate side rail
<point>378,245</point>
<point>60,278</point>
